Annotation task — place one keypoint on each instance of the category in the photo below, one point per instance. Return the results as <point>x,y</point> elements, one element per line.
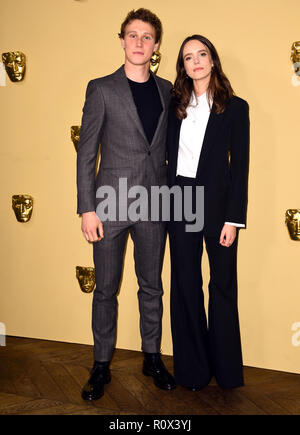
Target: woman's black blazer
<point>223,164</point>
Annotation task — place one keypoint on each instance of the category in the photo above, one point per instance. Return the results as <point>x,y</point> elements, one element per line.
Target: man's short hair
<point>146,16</point>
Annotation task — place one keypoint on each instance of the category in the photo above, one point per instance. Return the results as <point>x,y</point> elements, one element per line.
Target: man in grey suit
<point>126,112</point>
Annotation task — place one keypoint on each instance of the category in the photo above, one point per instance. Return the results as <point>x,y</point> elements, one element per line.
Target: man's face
<point>139,42</point>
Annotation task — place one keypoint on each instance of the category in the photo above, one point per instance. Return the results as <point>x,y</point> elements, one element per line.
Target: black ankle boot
<point>153,366</point>
<point>100,375</point>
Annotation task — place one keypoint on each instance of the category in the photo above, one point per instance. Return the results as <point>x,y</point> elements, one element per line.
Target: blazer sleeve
<point>88,146</point>
<point>239,165</point>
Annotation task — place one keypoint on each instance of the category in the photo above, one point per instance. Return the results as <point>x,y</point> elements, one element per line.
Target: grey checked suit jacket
<point>110,118</point>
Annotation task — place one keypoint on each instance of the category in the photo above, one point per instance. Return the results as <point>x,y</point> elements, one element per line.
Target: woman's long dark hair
<point>219,88</point>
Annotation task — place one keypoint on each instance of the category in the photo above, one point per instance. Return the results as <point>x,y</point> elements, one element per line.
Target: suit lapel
<point>123,90</point>
<point>212,128</point>
<point>209,136</point>
<point>162,99</point>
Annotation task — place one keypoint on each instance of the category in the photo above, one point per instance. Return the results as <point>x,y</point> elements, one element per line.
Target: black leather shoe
<point>94,388</point>
<point>153,366</point>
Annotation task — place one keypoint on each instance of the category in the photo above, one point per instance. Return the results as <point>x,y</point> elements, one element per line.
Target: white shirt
<point>191,138</point>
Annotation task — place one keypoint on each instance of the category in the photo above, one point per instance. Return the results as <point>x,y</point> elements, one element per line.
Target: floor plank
<point>40,377</point>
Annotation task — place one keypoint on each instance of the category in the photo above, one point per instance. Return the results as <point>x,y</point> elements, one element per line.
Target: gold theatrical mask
<point>15,65</point>
<point>86,278</point>
<point>75,135</point>
<point>22,206</point>
<point>295,56</point>
<point>292,220</point>
<point>155,61</point>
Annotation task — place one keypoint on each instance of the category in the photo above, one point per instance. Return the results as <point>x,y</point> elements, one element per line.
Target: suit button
<point>149,153</point>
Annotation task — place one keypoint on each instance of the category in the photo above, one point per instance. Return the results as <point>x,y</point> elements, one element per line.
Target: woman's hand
<point>228,235</point>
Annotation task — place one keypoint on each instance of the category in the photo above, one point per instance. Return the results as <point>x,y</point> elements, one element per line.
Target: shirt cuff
<point>235,225</point>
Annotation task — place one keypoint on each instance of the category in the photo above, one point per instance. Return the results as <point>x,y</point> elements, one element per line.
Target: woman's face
<point>197,60</point>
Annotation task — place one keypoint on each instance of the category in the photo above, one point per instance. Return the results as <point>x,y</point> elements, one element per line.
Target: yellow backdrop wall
<point>69,42</point>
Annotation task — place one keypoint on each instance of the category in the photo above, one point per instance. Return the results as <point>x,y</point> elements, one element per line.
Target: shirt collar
<point>198,101</point>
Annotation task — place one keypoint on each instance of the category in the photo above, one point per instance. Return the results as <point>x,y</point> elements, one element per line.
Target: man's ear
<point>122,42</point>
<point>156,46</point>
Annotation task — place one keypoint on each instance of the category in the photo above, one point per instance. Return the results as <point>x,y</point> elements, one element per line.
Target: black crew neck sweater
<point>148,104</point>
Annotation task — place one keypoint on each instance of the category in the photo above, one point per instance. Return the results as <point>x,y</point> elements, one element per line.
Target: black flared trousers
<point>204,346</point>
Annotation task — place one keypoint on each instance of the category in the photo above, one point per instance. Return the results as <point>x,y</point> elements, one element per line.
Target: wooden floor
<point>45,377</point>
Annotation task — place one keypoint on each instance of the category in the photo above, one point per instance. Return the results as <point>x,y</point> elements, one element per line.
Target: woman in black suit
<point>208,145</point>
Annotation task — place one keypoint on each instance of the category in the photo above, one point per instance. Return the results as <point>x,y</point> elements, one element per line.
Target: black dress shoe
<point>153,366</point>
<point>94,388</point>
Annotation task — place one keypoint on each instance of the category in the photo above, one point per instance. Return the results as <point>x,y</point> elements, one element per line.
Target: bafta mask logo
<point>75,135</point>
<point>292,220</point>
<point>22,206</point>
<point>295,57</point>
<point>296,335</point>
<point>15,65</point>
<point>86,278</point>
<point>2,334</point>
<point>155,61</point>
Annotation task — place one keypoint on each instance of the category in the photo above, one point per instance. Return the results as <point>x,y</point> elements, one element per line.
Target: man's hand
<point>89,225</point>
<point>228,235</point>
